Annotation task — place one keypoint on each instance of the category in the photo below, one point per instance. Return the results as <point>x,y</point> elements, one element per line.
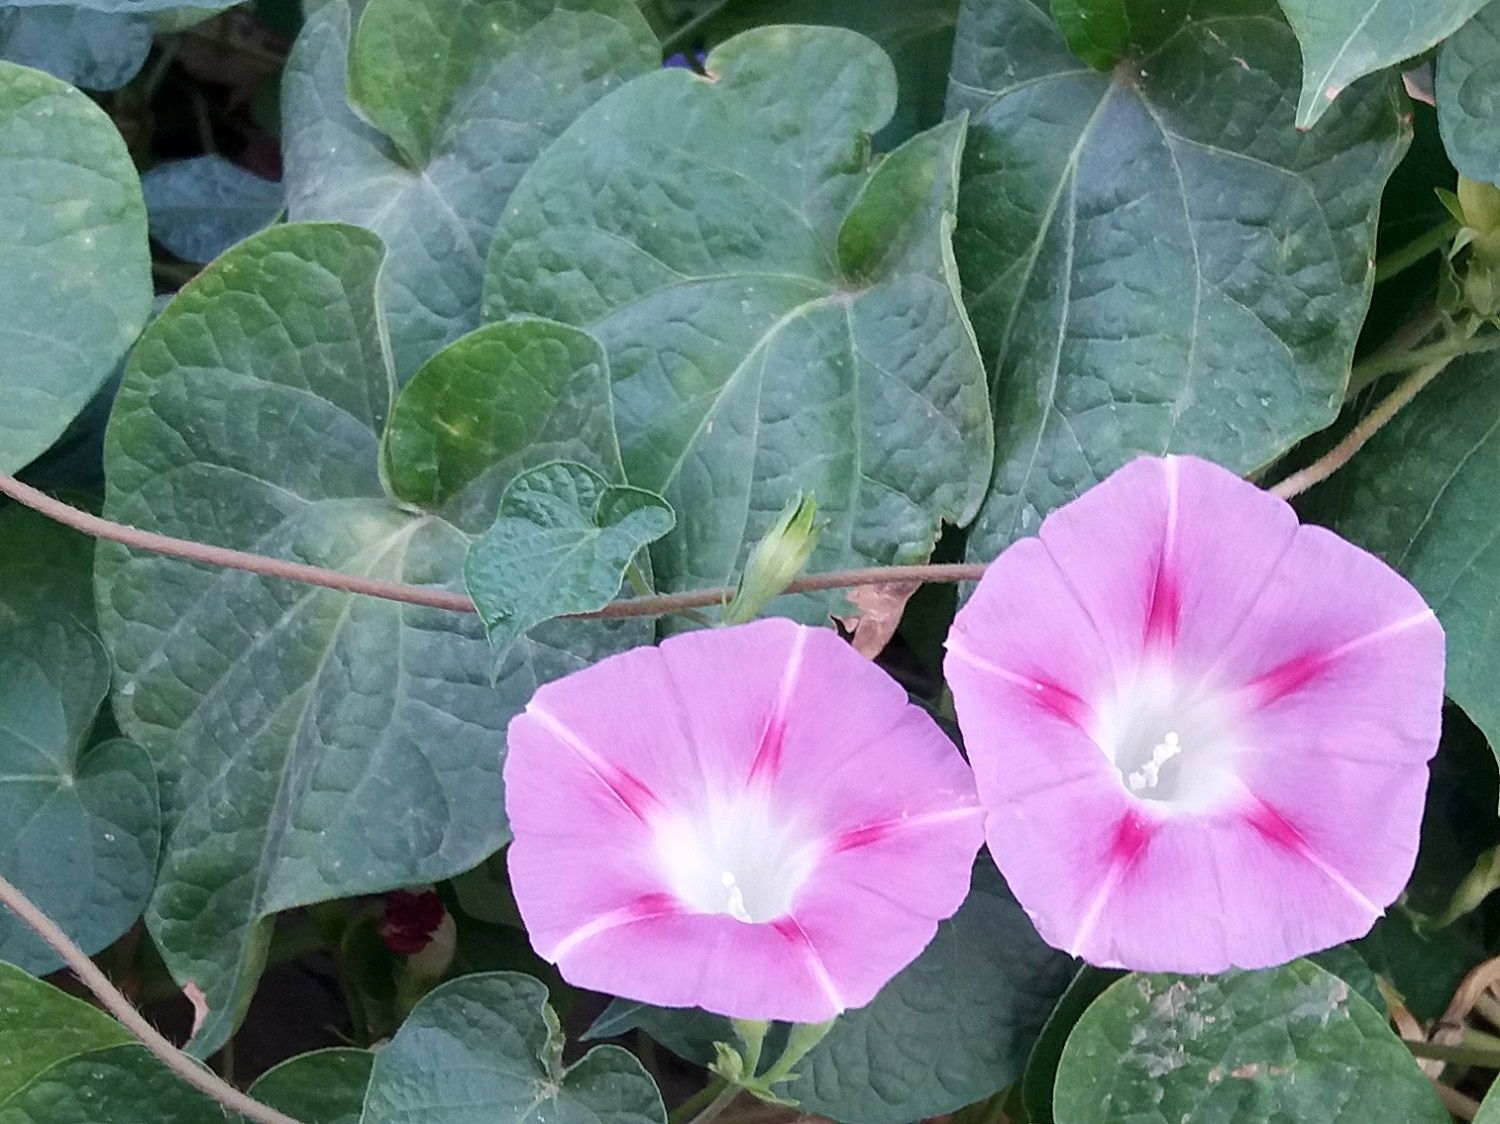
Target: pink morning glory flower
<point>751,820</point>
<point>1200,729</point>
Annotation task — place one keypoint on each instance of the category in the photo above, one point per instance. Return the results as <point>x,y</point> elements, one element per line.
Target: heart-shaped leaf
<point>1468,96</point>
<point>75,267</point>
<point>323,1087</point>
<point>504,397</point>
<point>778,318</point>
<point>314,745</point>
<point>1290,1043</point>
<point>1156,260</point>
<point>952,1028</point>
<point>80,823</point>
<point>198,208</point>
<point>119,1085</point>
<point>1090,983</point>
<point>1041,1067</point>
<point>426,153</point>
<point>1097,31</point>
<point>1343,40</point>
<point>1489,1111</point>
<point>95,50</point>
<point>82,828</point>
<point>45,570</point>
<point>917,34</point>
<point>562,543</point>
<point>487,1047</point>
<point>43,1026</point>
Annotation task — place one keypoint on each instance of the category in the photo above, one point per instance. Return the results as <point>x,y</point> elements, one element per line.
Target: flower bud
<point>415,925</point>
<point>1475,287</point>
<point>776,560</point>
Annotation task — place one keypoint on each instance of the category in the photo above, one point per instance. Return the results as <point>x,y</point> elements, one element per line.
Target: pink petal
<point>1169,551</point>
<point>856,931</point>
<point>750,820</point>
<point>1353,820</point>
<point>1057,655</point>
<point>1203,896</point>
<point>706,960</point>
<point>1244,781</point>
<point>1341,645</point>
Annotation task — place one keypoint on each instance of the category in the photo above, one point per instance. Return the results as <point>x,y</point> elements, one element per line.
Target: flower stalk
<point>741,1070</point>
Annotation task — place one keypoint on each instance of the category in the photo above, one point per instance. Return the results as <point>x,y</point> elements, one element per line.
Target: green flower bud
<point>776,560</point>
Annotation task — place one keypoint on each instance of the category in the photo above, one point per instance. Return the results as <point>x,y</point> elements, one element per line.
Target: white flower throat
<point>734,855</point>
<point>1148,776</point>
<point>1173,739</point>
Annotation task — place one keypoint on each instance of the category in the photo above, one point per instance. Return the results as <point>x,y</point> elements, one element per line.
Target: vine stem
<point>1379,366</point>
<point>1340,455</point>
<point>1402,340</point>
<point>1465,1108</point>
<point>1486,1057</point>
<point>722,1100</point>
<point>652,606</point>
<point>1414,251</point>
<point>204,1080</point>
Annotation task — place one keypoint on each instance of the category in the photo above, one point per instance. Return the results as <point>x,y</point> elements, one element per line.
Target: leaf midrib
<point>278,820</point>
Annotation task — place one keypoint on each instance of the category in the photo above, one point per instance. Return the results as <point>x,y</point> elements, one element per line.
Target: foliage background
<point>429,290</point>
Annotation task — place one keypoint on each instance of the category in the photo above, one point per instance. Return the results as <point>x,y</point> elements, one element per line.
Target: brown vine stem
<point>1340,455</point>
<point>184,1067</point>
<point>650,606</point>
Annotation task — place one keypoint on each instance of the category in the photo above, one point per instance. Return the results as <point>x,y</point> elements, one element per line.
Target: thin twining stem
<point>1340,455</point>
<point>1380,366</point>
<point>191,1072</point>
<point>1400,343</point>
<point>652,606</point>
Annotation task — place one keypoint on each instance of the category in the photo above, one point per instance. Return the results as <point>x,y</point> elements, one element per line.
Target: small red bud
<point>410,920</point>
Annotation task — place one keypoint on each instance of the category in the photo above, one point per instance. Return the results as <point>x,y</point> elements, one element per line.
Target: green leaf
<point>1348,965</point>
<point>45,569</point>
<point>313,745</point>
<point>198,208</point>
<point>120,1085</point>
<point>561,544</point>
<point>1468,95</point>
<point>1097,31</point>
<point>503,398</point>
<point>1489,1111</point>
<point>451,101</point>
<point>1290,1043</point>
<point>95,50</point>
<point>80,824</point>
<point>484,894</point>
<point>323,1087</point>
<point>690,1033</point>
<point>1419,495</point>
<point>1155,259</point>
<point>1041,1067</point>
<point>1343,40</point>
<point>42,1026</point>
<point>778,319</point>
<point>952,1028</point>
<point>917,34</point>
<point>75,268</point>
<point>487,1047</point>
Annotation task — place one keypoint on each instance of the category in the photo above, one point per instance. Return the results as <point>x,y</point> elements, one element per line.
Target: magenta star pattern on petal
<point>751,820</point>
<point>1200,729</point>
